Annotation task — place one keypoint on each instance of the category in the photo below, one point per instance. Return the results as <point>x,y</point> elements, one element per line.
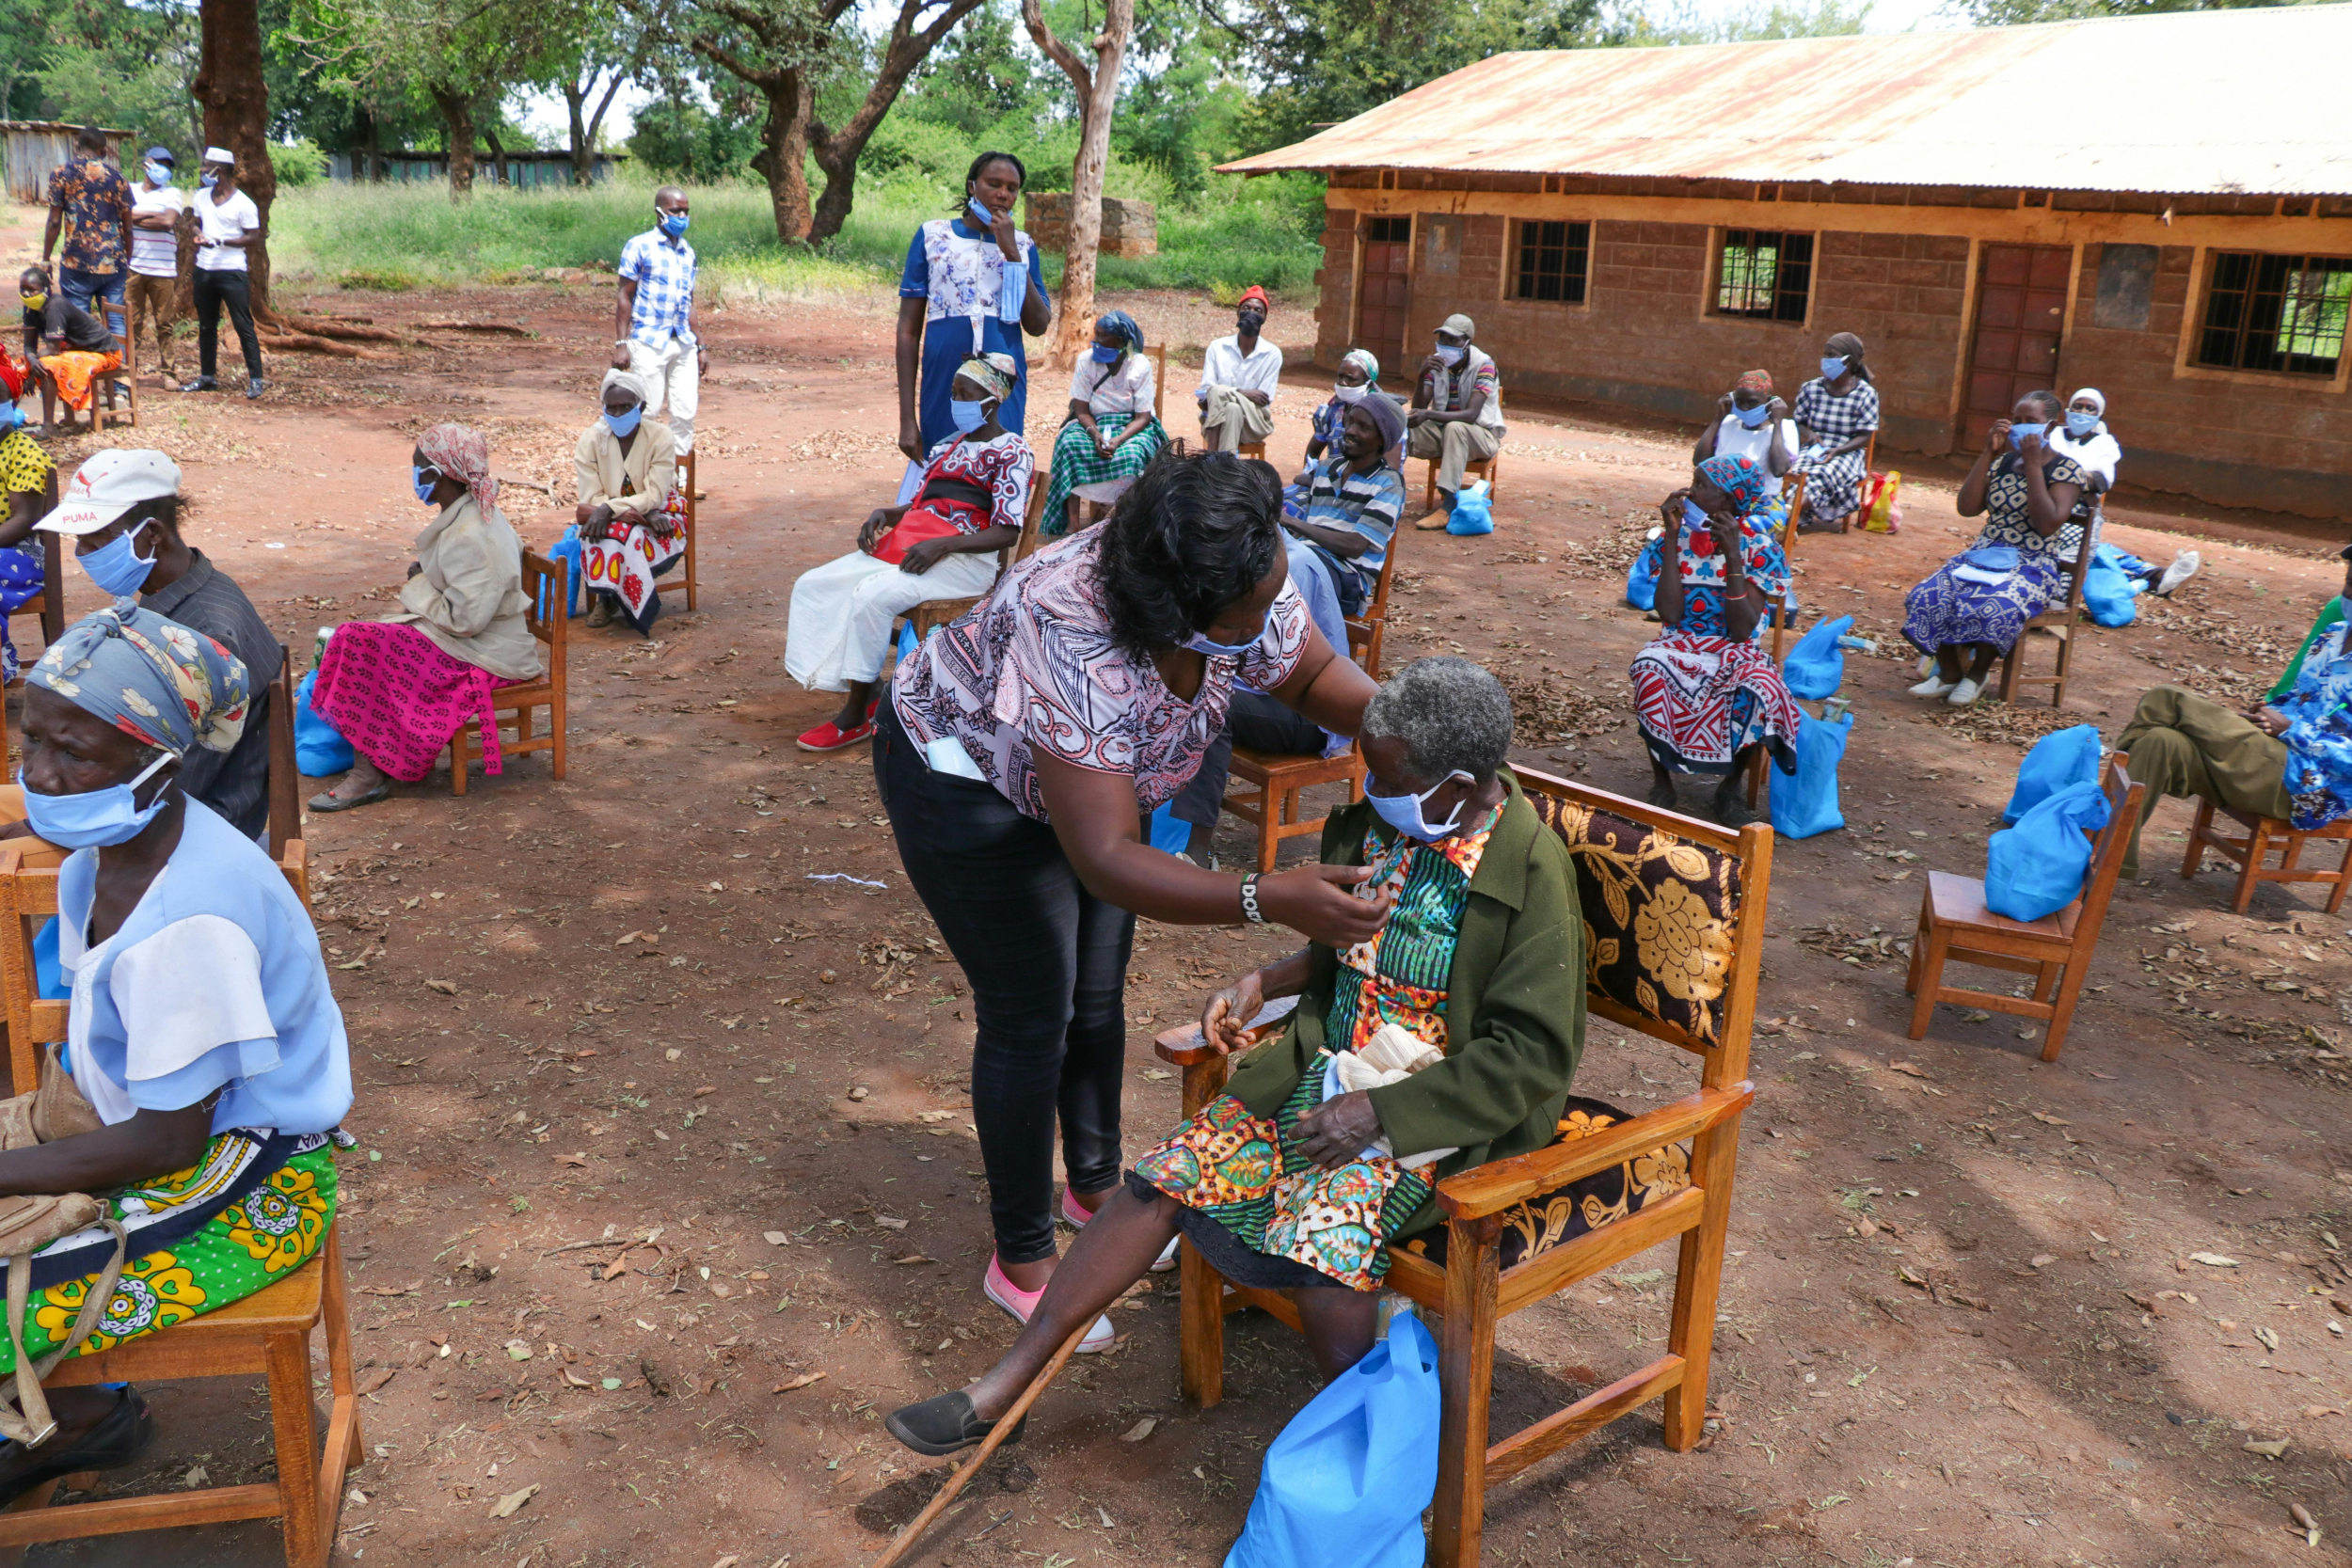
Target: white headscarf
<point>2097,452</point>
<point>628,381</point>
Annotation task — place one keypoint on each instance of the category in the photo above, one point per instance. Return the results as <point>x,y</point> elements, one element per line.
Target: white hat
<point>109,485</point>
<point>219,156</point>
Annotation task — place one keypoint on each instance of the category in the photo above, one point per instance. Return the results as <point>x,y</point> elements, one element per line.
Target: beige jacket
<point>639,480</point>
<point>470,597</point>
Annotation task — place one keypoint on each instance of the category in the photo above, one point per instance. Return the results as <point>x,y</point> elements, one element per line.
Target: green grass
<point>406,236</point>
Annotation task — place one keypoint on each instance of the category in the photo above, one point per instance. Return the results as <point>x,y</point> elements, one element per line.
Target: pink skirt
<point>399,698</point>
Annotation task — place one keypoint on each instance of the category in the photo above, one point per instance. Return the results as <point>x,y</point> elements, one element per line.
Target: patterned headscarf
<point>1743,478</point>
<point>10,377</point>
<point>1759,382</point>
<point>1125,326</point>
<point>1361,360</point>
<point>996,371</point>
<point>462,453</point>
<point>157,681</point>
<point>1254,291</point>
<point>628,381</point>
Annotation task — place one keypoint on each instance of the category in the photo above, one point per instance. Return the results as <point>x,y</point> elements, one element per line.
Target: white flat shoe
<point>1935,686</point>
<point>2182,568</point>
<point>1964,693</point>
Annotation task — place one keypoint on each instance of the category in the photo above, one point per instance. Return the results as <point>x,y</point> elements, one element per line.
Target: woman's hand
<point>910,433</point>
<point>1723,530</point>
<point>623,521</point>
<point>2030,447</point>
<point>1670,510</point>
<point>877,522</point>
<point>1776,410</point>
<point>1335,1132</point>
<point>2272,721</point>
<point>1996,438</point>
<point>1227,1016</point>
<point>924,554</point>
<point>1322,903</point>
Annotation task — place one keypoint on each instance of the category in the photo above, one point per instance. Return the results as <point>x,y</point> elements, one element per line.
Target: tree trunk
<point>1098,96</point>
<point>234,96</point>
<point>837,154</point>
<point>575,103</point>
<point>497,158</point>
<point>369,164</point>
<point>837,151</point>
<point>457,136</point>
<point>783,155</point>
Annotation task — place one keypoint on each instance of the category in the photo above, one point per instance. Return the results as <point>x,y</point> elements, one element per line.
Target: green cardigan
<point>1515,1007</point>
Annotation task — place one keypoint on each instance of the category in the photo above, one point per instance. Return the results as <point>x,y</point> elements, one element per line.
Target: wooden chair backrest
<point>546,609</point>
<point>28,899</point>
<point>2106,850</point>
<point>285,776</point>
<point>1712,887</point>
<point>2078,571</point>
<point>1031,540</point>
<point>1158,355</point>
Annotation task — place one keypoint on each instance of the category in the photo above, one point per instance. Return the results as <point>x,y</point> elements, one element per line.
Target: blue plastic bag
<point>319,749</point>
<point>1816,667</point>
<point>1641,580</point>
<point>1344,1484</point>
<point>1473,512</point>
<point>2056,760</point>
<point>567,550</point>
<point>1807,804</point>
<point>2035,869</point>
<point>1169,833</point>
<point>2108,591</point>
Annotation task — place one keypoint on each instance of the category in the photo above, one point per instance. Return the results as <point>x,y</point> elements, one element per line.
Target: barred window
<point>2275,313</point>
<point>1764,276</point>
<point>1551,261</point>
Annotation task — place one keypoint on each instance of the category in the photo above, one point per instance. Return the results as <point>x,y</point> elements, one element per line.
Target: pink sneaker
<point>1020,1304</point>
<point>1076,1217</point>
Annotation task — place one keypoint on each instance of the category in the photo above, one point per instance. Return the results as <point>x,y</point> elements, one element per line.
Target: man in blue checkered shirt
<point>653,321</point>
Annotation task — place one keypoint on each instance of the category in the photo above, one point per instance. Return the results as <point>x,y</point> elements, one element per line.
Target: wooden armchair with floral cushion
<point>1673,913</point>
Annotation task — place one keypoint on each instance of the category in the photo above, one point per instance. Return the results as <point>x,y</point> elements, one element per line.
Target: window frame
<point>1711,305</point>
<point>2186,366</point>
<point>1514,239</point>
<point>2248,294</point>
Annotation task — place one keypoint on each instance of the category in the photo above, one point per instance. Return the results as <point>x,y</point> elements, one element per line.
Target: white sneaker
<point>1964,693</point>
<point>1935,686</point>
<point>1927,664</point>
<point>2182,568</point>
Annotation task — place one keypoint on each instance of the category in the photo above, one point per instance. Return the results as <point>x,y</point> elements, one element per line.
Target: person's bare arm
<point>1970,502</point>
<point>2047,505</point>
<point>924,554</point>
<point>1344,542</point>
<point>49,236</point>
<point>1743,601</point>
<point>623,307</point>
<point>1226,1015</point>
<point>1327,688</point>
<point>1083,412</point>
<point>25,508</point>
<point>149,1143</point>
<point>1467,413</point>
<point>1668,602</point>
<point>909,353</point>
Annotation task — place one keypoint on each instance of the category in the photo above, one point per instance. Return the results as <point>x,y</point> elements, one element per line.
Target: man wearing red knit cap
<point>1237,380</point>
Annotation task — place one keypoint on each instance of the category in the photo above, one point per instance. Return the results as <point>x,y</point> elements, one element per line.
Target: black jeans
<point>1259,723</point>
<point>234,289</point>
<point>1048,966</point>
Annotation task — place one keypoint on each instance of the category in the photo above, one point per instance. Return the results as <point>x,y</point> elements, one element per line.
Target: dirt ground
<point>635,1081</point>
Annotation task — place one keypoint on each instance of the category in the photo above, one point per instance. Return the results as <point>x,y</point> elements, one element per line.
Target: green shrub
<point>299,163</point>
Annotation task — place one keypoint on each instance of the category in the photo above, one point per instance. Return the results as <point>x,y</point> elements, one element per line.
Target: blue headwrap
<point>155,680</point>
<point>1125,325</point>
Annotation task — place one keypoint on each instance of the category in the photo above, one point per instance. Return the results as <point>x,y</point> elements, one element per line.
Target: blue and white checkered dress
<point>663,269</point>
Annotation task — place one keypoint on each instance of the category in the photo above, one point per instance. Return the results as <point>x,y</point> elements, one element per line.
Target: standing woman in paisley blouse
<point>1975,607</point>
<point>971,287</point>
<point>1018,752</point>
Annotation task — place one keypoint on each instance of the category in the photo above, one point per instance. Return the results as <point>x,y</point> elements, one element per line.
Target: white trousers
<point>842,611</point>
<point>672,382</point>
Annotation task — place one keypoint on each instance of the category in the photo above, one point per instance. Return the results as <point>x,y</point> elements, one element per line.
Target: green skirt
<point>1079,461</point>
<point>231,1232</point>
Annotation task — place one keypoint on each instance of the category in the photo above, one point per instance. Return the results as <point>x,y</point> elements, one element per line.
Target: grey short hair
<point>1452,714</point>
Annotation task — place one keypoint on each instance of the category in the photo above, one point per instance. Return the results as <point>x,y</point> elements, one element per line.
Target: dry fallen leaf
<point>2041,1259</point>
<point>1140,1431</point>
<point>2213,1259</point>
<point>2267,1336</point>
<point>2048,1120</point>
<point>377,1378</point>
<point>1913,1069</point>
<point>915,1258</point>
<point>801,1382</point>
<point>860,1092</point>
<point>576,1380</point>
<point>887,1222</point>
<point>514,1500</point>
<point>774,1238</point>
<point>2314,1412</point>
<point>447,988</point>
<point>2268,1451</point>
<point>572,1160</point>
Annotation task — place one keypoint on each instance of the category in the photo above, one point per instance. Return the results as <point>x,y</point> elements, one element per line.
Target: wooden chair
<point>267,1334</point>
<point>2056,950</point>
<point>685,576</point>
<point>1159,382</point>
<point>542,586</point>
<point>49,604</point>
<point>2062,619</point>
<point>286,846</point>
<point>1272,780</point>
<point>102,385</point>
<point>1484,467</point>
<point>2252,854</point>
<point>1626,853</point>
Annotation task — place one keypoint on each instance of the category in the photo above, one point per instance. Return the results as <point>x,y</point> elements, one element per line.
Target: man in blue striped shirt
<point>653,319</point>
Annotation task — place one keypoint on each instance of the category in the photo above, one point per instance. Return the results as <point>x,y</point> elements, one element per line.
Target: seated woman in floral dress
<point>1111,434</point>
<point>632,518</point>
<point>27,493</point>
<point>208,1063</point>
<point>401,687</point>
<point>1291,1182</point>
<point>1706,693</point>
<point>1974,607</point>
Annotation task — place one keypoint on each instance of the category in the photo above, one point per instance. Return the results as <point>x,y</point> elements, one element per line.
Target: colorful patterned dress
<point>1950,609</point>
<point>24,471</point>
<point>1700,697</point>
<point>1250,1175</point>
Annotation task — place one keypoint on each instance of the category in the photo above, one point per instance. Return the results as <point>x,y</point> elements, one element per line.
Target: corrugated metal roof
<point>2223,101</point>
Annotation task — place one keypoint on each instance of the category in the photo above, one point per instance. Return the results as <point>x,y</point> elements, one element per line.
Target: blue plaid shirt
<point>663,269</point>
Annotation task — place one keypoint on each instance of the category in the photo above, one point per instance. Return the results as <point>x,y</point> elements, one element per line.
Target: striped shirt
<point>156,252</point>
<point>1369,504</point>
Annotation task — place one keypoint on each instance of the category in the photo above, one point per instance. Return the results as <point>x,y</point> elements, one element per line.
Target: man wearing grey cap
<point>1456,418</point>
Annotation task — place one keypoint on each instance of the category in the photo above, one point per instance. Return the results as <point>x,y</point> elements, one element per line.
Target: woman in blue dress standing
<point>971,288</point>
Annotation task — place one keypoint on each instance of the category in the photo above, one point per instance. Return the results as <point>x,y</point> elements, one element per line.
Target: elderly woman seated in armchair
<point>1296,1178</point>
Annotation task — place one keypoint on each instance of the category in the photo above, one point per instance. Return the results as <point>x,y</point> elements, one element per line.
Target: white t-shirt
<point>224,220</point>
<point>156,252</point>
<point>1121,388</point>
<point>1734,439</point>
<point>1224,365</point>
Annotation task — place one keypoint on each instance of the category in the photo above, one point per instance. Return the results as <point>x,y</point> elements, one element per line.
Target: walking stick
<point>904,1540</point>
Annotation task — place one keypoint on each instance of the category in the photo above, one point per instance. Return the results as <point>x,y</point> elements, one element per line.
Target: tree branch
<point>1033,18</point>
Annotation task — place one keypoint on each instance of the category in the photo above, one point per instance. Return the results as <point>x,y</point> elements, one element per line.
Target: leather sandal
<point>326,800</point>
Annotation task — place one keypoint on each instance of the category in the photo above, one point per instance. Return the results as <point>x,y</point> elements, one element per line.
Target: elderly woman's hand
<point>877,522</point>
<point>1671,508</point>
<point>1227,1017</point>
<point>1337,1131</point>
<point>2272,721</point>
<point>924,554</point>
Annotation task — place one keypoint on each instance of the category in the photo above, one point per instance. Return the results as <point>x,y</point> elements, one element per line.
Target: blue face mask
<point>1832,368</point>
<point>209,179</point>
<point>117,566</point>
<point>980,215</point>
<point>2019,430</point>
<point>1451,354</point>
<point>96,817</point>
<point>1107,355</point>
<point>1752,417</point>
<point>673,224</point>
<point>1403,812</point>
<point>1200,643</point>
<point>2080,425</point>
<point>424,487</point>
<point>621,424</point>
<point>969,416</point>
<point>158,175</point>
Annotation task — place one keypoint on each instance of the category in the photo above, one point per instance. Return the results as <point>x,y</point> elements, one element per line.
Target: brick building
<point>2158,206</point>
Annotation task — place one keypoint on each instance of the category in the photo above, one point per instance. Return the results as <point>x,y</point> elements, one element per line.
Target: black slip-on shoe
<point>944,1425</point>
<point>120,1436</point>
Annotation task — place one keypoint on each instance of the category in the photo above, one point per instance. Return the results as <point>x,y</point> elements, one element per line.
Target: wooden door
<point>1385,295</point>
<point>2021,311</point>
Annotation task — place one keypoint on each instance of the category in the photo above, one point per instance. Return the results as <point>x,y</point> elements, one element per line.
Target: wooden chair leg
<point>1201,1328</point>
<point>2045,982</point>
<point>2069,990</point>
<point>2009,667</point>
<point>1930,978</point>
<point>1466,1369</point>
<point>2194,861</point>
<point>1918,954</point>
<point>2343,879</point>
<point>296,1438</point>
<point>557,717</point>
<point>2065,659</point>
<point>2257,850</point>
<point>1270,812</point>
<point>1698,1281</point>
<point>457,759</point>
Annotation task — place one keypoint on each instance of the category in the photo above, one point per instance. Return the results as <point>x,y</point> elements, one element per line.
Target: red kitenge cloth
<point>399,698</point>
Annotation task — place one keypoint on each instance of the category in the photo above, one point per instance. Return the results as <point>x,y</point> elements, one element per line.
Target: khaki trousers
<point>1229,418</point>
<point>158,301</point>
<point>2179,744</point>
<point>1453,446</point>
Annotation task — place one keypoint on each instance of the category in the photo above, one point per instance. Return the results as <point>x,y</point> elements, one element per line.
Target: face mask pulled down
<point>96,817</point>
<point>1403,812</point>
